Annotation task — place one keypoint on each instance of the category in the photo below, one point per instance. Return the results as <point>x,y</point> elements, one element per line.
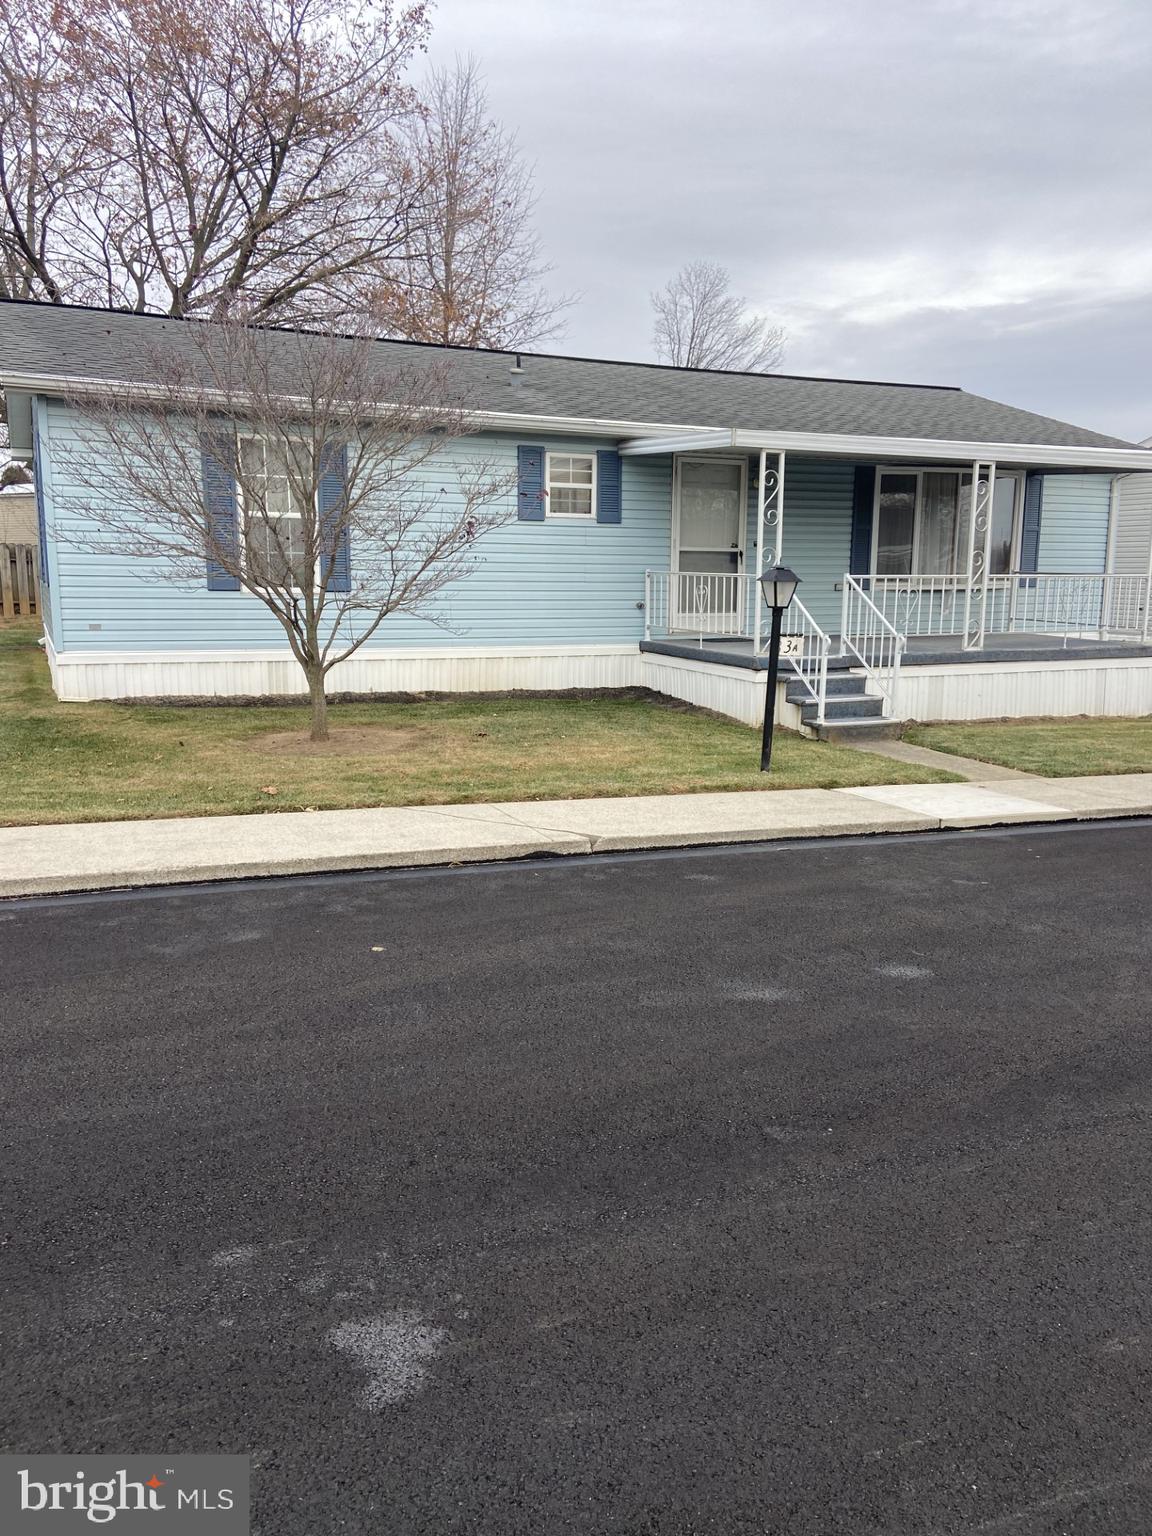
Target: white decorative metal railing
<point>700,606</point>
<point>1065,604</point>
<point>1073,605</point>
<point>806,654</point>
<point>867,634</point>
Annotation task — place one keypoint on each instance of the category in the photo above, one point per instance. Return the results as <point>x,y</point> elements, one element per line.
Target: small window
<point>274,519</point>
<point>571,484</point>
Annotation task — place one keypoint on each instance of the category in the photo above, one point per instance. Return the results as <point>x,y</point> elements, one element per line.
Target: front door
<point>710,516</point>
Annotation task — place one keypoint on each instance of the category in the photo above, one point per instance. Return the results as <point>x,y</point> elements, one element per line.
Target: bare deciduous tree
<point>470,269</point>
<point>168,156</point>
<point>302,470</point>
<point>42,148</point>
<point>700,323</point>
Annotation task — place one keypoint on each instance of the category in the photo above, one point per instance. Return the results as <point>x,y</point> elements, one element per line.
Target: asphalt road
<point>784,1190</point>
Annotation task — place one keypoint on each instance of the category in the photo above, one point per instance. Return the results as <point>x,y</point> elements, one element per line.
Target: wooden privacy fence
<point>19,580</point>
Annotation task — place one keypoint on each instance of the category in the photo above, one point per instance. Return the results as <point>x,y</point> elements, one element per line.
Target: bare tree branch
<point>470,266</point>
<point>700,323</point>
<point>176,156</point>
<point>44,160</point>
<point>279,414</point>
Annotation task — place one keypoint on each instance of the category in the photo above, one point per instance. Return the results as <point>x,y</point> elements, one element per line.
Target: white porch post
<point>769,521</point>
<point>756,614</point>
<point>979,555</point>
<point>775,512</point>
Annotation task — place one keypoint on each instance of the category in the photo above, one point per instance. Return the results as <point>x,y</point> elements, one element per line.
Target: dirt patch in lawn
<point>345,741</point>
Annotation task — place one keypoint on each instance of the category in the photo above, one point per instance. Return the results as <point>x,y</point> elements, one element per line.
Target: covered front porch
<point>910,558</point>
<point>824,689</point>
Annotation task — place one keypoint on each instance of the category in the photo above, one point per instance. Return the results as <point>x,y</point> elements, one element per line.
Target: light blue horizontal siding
<point>817,541</point>
<point>1074,522</point>
<point>536,583</point>
<point>818,533</point>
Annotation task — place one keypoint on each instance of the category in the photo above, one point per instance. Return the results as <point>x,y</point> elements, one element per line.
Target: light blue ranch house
<point>957,556</point>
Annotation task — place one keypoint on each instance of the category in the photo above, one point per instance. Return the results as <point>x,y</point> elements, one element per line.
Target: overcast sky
<point>943,191</point>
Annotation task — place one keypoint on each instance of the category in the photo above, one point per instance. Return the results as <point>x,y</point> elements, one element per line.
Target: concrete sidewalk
<point>109,855</point>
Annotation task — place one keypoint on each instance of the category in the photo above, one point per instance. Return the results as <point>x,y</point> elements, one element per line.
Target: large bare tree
<point>701,323</point>
<point>307,472</point>
<point>45,152</point>
<point>471,267</point>
<point>174,155</point>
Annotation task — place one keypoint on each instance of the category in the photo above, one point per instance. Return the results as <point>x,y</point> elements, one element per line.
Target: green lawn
<point>98,762</point>
<point>1057,749</point>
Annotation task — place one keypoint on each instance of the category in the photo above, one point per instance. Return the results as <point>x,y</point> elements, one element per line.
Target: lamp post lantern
<point>778,585</point>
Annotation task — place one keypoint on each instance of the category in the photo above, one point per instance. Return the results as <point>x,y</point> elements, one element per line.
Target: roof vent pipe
<point>516,370</point>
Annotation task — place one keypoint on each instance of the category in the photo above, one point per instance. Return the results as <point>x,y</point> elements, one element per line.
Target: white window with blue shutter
<point>563,486</point>
<point>265,501</point>
<point>275,521</point>
<point>570,485</point>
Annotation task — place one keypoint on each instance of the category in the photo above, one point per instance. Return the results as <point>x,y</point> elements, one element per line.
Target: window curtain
<point>938,524</point>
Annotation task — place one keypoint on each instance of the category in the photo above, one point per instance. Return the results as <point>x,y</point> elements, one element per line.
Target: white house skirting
<point>737,692</point>
<point>79,676</point>
<point>1017,690</point>
<point>977,691</point>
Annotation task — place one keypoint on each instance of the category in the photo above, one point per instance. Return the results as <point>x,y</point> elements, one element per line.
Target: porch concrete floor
<point>921,651</point>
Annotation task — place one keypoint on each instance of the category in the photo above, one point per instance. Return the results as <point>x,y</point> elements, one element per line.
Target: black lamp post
<point>779,587</point>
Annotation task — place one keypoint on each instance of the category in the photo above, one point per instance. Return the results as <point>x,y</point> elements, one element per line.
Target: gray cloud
<point>947,190</point>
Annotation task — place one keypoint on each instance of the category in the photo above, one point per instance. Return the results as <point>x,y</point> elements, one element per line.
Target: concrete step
<point>858,706</point>
<point>856,733</point>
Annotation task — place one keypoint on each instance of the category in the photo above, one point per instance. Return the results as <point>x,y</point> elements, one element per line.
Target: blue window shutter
<point>863,500</point>
<point>607,486</point>
<point>216,456</point>
<point>1030,522</point>
<point>530,484</point>
<point>332,490</point>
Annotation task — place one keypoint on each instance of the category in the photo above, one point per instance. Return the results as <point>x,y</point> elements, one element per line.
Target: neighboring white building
<point>17,515</point>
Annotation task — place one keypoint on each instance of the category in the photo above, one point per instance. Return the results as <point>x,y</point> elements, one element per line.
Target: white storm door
<point>709,520</point>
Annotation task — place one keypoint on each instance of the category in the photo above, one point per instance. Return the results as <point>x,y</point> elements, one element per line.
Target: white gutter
<point>80,387</point>
<point>894,449</point>
<point>679,437</point>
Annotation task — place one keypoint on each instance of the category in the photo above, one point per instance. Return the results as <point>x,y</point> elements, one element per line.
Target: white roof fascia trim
<point>689,438</point>
<point>895,449</point>
<point>78,387</point>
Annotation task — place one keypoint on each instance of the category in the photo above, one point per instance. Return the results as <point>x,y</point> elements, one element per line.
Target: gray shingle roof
<point>69,342</point>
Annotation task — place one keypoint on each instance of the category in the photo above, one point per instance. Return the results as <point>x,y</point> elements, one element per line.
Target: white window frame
<point>257,437</point>
<point>917,472</point>
<point>569,517</point>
